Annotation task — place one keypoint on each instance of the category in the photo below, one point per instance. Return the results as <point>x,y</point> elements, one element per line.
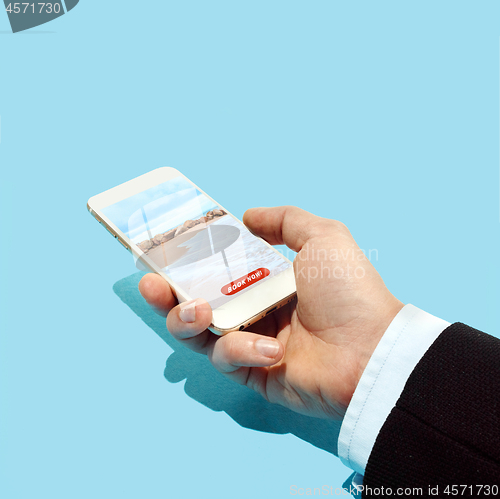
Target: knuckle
<point>293,210</point>
<point>327,226</point>
<point>341,229</point>
<point>339,226</point>
<point>229,347</point>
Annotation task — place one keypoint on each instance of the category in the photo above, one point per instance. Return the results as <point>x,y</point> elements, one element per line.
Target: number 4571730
<point>33,8</point>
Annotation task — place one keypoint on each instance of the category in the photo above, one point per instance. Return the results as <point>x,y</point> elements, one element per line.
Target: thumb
<point>284,225</point>
<point>244,349</point>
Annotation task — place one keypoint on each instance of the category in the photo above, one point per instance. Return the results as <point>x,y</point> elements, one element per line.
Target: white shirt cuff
<point>404,343</point>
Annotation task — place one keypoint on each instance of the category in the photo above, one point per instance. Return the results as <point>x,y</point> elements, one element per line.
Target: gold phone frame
<point>238,313</point>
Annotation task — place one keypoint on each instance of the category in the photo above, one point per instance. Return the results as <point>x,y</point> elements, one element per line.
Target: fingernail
<point>188,311</point>
<point>268,348</point>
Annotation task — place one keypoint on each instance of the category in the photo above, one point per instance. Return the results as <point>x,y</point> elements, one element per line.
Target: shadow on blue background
<point>24,16</point>
<point>210,388</point>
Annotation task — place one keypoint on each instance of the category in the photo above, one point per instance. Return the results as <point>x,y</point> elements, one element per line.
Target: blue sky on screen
<point>158,209</point>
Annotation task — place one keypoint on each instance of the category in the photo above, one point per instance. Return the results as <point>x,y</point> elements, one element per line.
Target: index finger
<point>284,225</point>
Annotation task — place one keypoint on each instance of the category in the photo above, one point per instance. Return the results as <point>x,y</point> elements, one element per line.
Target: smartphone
<point>173,228</point>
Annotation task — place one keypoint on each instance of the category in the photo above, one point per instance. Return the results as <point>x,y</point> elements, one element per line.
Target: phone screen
<point>208,253</point>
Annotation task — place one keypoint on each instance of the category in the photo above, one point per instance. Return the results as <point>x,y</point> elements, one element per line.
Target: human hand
<point>308,355</point>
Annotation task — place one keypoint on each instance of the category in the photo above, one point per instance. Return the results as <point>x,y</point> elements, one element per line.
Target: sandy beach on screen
<point>173,248</point>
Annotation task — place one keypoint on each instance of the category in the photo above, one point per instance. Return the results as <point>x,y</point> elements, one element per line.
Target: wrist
<point>402,345</point>
<point>373,332</point>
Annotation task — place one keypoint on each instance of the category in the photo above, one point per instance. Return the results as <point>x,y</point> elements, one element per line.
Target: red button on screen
<point>245,281</point>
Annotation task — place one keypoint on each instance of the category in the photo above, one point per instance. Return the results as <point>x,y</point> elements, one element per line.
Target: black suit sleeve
<point>445,427</point>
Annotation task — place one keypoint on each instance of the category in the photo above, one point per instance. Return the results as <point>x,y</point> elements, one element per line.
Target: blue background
<point>381,114</point>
